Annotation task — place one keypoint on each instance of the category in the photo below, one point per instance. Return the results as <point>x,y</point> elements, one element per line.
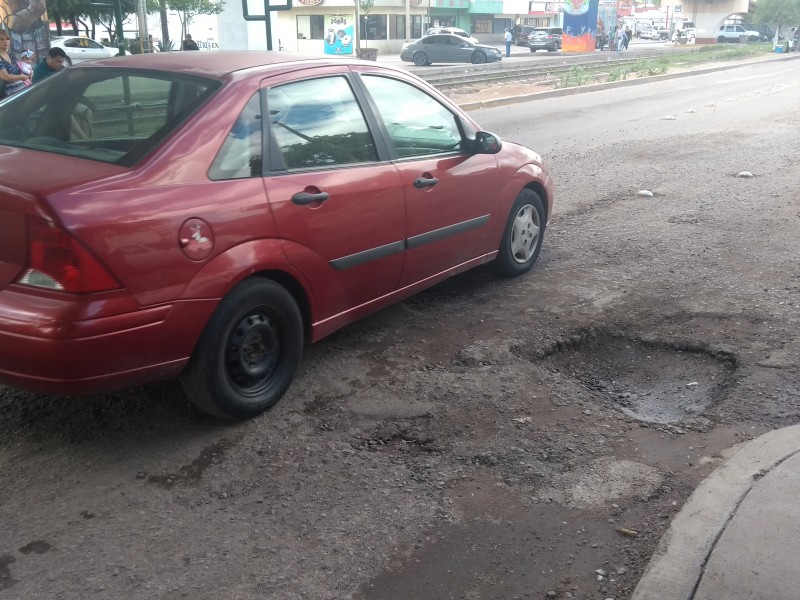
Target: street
<point>487,438</point>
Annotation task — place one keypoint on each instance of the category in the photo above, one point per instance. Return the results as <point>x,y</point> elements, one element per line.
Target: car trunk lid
<point>27,178</point>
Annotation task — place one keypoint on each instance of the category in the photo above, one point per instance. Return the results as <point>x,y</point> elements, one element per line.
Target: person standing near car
<point>508,38</point>
<point>52,63</point>
<point>10,73</point>
<point>189,43</point>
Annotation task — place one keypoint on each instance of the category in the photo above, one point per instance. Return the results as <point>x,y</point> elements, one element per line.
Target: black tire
<point>478,58</point>
<point>420,59</point>
<point>533,49</point>
<point>248,353</point>
<point>68,62</point>
<point>523,235</point>
<point>721,39</point>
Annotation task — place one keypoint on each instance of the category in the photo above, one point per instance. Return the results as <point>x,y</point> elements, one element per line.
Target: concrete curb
<point>614,84</point>
<point>678,564</point>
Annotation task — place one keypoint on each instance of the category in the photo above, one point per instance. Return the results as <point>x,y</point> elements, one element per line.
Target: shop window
<point>310,27</point>
<point>419,23</point>
<point>481,26</point>
<point>397,25</point>
<point>373,27</point>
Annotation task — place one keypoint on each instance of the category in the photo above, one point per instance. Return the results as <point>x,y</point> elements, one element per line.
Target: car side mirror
<point>487,143</point>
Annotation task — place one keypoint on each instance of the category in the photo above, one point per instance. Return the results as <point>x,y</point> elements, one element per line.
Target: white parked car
<point>736,33</point>
<point>81,49</point>
<point>454,30</point>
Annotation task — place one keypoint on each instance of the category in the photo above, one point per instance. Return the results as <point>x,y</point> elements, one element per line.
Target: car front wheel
<point>248,353</point>
<point>721,39</point>
<point>420,59</point>
<point>523,235</point>
<point>478,58</point>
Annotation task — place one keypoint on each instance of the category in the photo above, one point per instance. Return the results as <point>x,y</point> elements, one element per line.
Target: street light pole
<point>118,24</point>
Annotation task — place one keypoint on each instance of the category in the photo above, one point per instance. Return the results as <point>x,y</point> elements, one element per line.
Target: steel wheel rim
<point>524,234</point>
<point>252,353</point>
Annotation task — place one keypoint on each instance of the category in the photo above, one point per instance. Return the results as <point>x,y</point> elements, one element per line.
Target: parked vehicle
<point>546,38</point>
<point>735,34</point>
<point>204,215</point>
<point>81,49</point>
<point>453,30</point>
<point>657,32</point>
<point>684,32</point>
<point>447,48</point>
<point>524,35</point>
<point>660,33</point>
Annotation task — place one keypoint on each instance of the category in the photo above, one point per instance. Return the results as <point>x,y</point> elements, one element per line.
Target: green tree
<point>187,9</point>
<point>70,12</point>
<point>777,13</point>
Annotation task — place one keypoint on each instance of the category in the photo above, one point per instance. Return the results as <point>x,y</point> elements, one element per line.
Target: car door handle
<point>423,182</point>
<point>304,198</point>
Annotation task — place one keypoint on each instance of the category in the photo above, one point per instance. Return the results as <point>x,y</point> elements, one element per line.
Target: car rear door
<point>339,211</point>
<point>449,194</point>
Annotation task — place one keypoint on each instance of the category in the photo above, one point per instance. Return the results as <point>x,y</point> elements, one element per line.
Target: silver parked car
<point>447,48</point>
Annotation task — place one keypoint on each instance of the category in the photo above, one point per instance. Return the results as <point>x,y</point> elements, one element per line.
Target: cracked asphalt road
<point>488,438</point>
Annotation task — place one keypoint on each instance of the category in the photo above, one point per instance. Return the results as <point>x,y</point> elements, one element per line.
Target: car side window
<point>240,154</point>
<point>416,123</point>
<point>318,123</point>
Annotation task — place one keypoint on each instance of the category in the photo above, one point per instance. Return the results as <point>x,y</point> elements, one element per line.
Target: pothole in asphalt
<point>649,380</point>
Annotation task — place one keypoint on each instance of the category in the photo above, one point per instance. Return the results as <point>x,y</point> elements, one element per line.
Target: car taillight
<point>57,261</point>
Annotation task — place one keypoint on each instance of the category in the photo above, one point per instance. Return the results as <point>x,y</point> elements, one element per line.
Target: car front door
<point>449,194</point>
<point>339,211</point>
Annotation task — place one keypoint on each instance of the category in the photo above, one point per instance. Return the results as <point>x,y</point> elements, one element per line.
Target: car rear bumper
<point>55,346</point>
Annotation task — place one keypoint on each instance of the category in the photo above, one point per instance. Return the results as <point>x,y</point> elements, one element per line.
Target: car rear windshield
<point>104,114</point>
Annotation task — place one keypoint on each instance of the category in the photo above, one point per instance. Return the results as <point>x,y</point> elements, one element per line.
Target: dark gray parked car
<point>545,38</point>
<point>447,48</point>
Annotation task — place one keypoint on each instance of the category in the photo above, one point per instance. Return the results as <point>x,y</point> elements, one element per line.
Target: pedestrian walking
<point>628,36</point>
<point>508,38</point>
<point>619,39</point>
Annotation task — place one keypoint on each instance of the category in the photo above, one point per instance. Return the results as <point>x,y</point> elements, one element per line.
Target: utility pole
<point>141,18</point>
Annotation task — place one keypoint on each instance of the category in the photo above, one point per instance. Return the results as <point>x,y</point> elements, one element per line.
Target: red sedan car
<point>205,215</point>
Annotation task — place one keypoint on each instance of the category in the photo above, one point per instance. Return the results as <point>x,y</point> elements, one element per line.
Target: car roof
<point>217,65</point>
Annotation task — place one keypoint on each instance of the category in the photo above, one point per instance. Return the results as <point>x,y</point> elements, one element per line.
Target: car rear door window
<point>318,123</point>
<point>417,125</point>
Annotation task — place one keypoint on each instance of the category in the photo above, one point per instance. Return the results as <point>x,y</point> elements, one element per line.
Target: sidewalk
<point>737,536</point>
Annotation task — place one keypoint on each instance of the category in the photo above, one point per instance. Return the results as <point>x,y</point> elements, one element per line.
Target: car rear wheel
<point>420,59</point>
<point>248,353</point>
<point>522,236</point>
<point>68,61</point>
<point>478,58</point>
